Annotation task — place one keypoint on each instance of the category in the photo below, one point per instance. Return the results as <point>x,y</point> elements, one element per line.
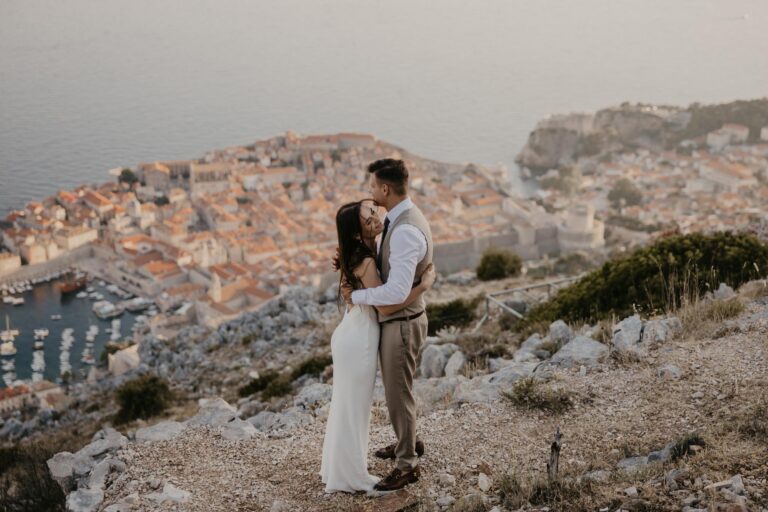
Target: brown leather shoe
<point>389,451</point>
<point>398,479</point>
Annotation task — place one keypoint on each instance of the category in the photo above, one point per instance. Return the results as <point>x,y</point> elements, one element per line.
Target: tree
<point>127,176</point>
<point>498,264</point>
<point>142,397</point>
<point>626,190</point>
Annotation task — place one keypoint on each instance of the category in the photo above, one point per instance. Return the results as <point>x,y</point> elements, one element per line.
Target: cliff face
<point>630,401</point>
<point>560,140</point>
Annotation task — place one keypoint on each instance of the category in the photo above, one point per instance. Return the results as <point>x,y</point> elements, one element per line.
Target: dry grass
<point>701,317</point>
<point>533,394</point>
<point>754,290</point>
<point>563,494</point>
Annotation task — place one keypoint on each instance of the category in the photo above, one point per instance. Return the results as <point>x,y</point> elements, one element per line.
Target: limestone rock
<point>60,466</point>
<point>487,388</point>
<point>434,358</point>
<point>85,500</point>
<point>580,351</point>
<point>724,292</point>
<point>455,364</point>
<point>483,482</point>
<point>661,330</point>
<point>560,333</point>
<point>111,441</point>
<point>162,431</point>
<point>213,412</point>
<point>314,395</point>
<point>237,430</point>
<point>626,337</point>
<point>170,493</point>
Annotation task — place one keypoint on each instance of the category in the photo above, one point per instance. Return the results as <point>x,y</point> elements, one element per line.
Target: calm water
<point>40,303</point>
<point>87,85</point>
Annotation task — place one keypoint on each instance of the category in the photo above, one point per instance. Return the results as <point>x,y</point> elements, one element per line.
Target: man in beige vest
<point>405,250</point>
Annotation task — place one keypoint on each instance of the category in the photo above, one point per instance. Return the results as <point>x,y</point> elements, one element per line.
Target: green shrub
<point>142,397</point>
<point>498,264</point>
<point>313,366</point>
<point>625,190</point>
<point>278,387</point>
<point>682,446</point>
<point>25,482</point>
<point>658,277</point>
<point>258,384</point>
<point>532,394</point>
<point>459,312</point>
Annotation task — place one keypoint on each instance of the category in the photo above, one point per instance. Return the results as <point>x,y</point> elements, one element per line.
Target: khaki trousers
<point>398,350</point>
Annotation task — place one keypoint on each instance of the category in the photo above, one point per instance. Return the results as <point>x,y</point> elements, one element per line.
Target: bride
<point>354,348</point>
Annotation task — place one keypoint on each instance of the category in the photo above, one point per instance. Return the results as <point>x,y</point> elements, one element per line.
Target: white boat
<point>81,295</point>
<point>8,334</point>
<point>41,334</point>
<point>8,299</point>
<point>102,283</point>
<point>7,349</point>
<point>39,345</point>
<point>8,365</point>
<point>18,301</point>
<point>105,309</point>
<point>56,317</point>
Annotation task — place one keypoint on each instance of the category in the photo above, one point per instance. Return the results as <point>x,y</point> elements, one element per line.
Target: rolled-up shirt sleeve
<point>407,247</point>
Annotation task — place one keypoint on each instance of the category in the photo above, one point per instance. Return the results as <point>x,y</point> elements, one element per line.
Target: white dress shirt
<point>407,247</point>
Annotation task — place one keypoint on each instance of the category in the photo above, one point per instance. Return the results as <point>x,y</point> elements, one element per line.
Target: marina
<point>58,328</point>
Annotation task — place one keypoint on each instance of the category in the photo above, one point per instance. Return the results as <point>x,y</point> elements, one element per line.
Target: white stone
<point>455,364</point>
<point>314,395</point>
<point>170,493</point>
<point>85,500</point>
<point>580,351</point>
<point>237,430</point>
<point>162,431</point>
<point>213,412</point>
<point>626,337</point>
<point>483,482</point>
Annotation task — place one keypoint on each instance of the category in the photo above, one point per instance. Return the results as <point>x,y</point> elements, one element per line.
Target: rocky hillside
<point>660,414</point>
<point>562,140</point>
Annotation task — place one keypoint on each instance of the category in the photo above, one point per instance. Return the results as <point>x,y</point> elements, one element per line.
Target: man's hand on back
<point>346,292</point>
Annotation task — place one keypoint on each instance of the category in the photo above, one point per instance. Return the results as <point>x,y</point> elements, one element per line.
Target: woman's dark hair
<point>352,249</point>
<point>392,172</point>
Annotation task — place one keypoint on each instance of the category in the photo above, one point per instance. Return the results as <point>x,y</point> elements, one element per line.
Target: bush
<point>459,312</point>
<point>531,394</point>
<point>661,276</point>
<point>258,384</point>
<point>278,387</point>
<point>627,191</point>
<point>498,264</point>
<point>313,366</point>
<point>25,482</point>
<point>682,446</point>
<point>142,397</point>
<point>754,423</point>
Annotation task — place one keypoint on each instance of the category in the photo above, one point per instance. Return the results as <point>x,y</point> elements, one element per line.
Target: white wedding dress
<point>355,349</point>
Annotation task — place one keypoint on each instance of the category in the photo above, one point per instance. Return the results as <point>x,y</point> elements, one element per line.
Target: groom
<point>405,250</point>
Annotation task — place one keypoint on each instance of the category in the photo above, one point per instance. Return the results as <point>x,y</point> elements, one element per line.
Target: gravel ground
<point>622,409</point>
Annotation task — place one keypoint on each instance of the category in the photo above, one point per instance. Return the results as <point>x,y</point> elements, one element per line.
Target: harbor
<point>56,326</point>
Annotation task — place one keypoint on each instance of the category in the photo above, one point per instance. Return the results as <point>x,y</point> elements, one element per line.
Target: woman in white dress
<point>355,348</point>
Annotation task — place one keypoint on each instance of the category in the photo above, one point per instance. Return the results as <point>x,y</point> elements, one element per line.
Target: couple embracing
<point>383,286</point>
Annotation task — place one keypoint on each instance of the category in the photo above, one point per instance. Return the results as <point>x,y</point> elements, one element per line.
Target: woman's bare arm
<point>369,276</point>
